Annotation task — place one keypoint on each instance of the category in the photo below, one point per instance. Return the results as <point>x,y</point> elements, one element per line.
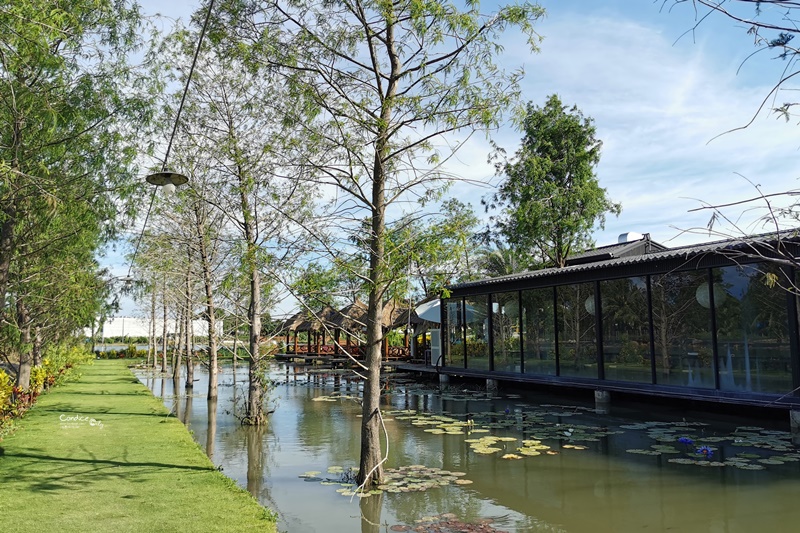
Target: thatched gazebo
<point>396,314</point>
<point>314,323</point>
<point>352,321</point>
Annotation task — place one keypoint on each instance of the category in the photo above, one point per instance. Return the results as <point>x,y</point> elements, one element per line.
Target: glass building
<point>716,321</point>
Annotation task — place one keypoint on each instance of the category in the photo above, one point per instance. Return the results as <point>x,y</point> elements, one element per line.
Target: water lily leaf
<point>529,452</point>
<point>748,455</point>
<point>682,461</point>
<point>511,456</point>
<point>640,451</point>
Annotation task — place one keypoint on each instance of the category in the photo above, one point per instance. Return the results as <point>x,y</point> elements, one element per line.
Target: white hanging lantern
<point>703,295</point>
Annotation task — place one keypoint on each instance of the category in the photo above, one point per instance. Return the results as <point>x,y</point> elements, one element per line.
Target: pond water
<point>558,466</point>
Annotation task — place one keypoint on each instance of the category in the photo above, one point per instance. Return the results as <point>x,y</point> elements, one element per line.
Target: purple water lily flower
<point>705,451</point>
<point>686,440</point>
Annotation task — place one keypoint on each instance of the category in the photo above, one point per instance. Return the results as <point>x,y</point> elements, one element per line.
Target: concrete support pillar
<point>444,379</point>
<point>491,384</point>
<point>794,424</point>
<point>602,401</point>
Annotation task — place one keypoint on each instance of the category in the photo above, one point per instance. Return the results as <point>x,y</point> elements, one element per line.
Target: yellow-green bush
<point>38,377</point>
<point>60,359</point>
<point>6,384</point>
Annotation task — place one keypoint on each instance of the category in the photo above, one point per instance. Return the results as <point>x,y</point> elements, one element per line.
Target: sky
<point>661,99</point>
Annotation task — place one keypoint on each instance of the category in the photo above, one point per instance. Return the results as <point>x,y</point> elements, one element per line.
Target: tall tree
<point>380,83</point>
<point>66,92</point>
<point>499,260</point>
<point>239,142</point>
<point>68,95</point>
<point>550,198</point>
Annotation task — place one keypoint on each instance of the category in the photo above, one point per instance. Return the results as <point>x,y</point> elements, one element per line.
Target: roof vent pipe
<point>631,236</point>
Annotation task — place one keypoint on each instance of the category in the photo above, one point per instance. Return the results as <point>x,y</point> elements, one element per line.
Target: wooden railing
<point>392,353</point>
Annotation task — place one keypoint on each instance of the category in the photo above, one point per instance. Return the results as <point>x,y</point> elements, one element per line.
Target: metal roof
<point>756,244</point>
<point>612,251</point>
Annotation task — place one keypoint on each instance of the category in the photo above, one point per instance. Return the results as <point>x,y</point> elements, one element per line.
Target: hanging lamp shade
<point>511,308</point>
<point>589,305</point>
<point>167,180</point>
<point>703,296</point>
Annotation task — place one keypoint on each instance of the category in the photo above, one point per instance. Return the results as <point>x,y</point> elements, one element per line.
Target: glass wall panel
<point>577,346</point>
<point>682,329</point>
<point>539,331</point>
<point>477,316</point>
<point>455,333</point>
<point>626,330</point>
<point>506,331</point>
<point>752,329</point>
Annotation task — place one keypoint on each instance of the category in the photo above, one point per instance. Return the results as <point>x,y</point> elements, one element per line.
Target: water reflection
<point>371,514</point>
<point>604,487</point>
<point>254,441</point>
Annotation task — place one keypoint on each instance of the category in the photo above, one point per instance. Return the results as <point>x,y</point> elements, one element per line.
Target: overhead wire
<point>174,132</point>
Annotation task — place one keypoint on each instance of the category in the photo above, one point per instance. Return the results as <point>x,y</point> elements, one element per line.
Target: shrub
<point>57,367</point>
<point>6,384</point>
<point>38,378</point>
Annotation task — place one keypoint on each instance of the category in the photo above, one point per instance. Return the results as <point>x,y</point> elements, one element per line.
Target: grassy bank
<point>102,454</point>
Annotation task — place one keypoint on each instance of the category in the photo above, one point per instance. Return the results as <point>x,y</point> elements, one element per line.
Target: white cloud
<point>657,107</point>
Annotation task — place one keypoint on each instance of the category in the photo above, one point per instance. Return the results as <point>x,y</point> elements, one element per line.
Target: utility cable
<point>174,131</point>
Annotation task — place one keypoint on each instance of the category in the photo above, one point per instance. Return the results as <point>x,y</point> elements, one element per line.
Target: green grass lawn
<point>102,454</point>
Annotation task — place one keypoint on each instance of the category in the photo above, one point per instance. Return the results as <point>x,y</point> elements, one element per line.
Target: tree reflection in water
<point>371,513</point>
<point>254,440</point>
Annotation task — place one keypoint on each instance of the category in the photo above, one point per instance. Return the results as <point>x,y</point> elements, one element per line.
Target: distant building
<point>127,326</point>
<point>711,321</point>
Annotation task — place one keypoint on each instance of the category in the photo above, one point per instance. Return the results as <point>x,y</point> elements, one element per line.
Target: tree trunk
<point>37,346</point>
<point>235,342</point>
<point>255,392</point>
<point>94,334</point>
<point>370,469</point>
<point>25,356</point>
<point>212,351</point>
<point>211,319</point>
<point>189,341</point>
<point>6,247</point>
<point>176,366</point>
<point>211,430</point>
<point>164,333</point>
<point>151,345</point>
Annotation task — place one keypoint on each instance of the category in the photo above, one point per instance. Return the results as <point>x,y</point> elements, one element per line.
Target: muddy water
<point>618,472</point>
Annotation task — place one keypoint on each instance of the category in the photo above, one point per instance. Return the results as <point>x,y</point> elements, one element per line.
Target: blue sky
<point>658,98</point>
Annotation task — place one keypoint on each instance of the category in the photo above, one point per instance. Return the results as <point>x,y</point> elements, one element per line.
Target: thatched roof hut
<point>351,319</point>
<point>291,323</point>
<point>396,314</point>
<point>317,321</point>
